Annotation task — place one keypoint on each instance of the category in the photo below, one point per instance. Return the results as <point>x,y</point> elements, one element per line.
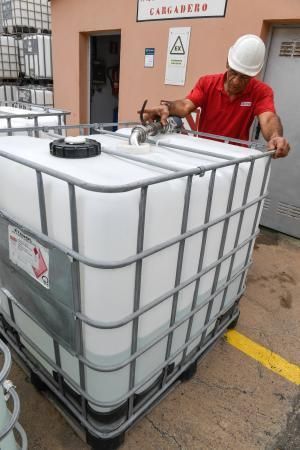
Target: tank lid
<point>75,148</point>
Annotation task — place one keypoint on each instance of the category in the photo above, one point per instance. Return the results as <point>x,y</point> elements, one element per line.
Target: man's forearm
<point>180,108</point>
<point>271,127</point>
<point>272,131</point>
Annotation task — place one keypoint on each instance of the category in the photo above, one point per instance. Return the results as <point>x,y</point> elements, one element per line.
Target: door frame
<point>93,34</point>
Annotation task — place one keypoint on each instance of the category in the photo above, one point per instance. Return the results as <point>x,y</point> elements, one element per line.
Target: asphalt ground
<point>245,394</point>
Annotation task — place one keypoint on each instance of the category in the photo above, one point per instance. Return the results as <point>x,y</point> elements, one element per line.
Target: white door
<point>282,207</point>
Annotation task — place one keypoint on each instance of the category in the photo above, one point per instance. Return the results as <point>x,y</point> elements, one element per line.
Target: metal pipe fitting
<point>140,133</point>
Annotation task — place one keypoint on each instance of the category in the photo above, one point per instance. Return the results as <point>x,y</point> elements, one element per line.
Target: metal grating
<point>297,49</point>
<point>267,203</point>
<point>290,48</point>
<point>288,210</point>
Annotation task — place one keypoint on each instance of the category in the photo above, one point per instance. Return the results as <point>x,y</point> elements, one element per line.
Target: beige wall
<point>74,20</point>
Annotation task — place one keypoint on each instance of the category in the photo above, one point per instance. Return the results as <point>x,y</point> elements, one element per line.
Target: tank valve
<point>140,133</point>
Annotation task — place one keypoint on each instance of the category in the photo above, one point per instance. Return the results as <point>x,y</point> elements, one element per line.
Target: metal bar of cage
<point>30,106</point>
<point>44,110</point>
<point>201,256</point>
<point>137,293</point>
<point>77,297</point>
<point>178,268</point>
<point>44,228</point>
<point>101,127</point>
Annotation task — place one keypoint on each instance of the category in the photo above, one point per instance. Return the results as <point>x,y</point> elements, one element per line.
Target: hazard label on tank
<point>29,255</point>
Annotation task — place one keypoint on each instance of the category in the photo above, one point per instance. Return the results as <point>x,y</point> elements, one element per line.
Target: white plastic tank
<point>28,121</point>
<point>9,93</point>
<point>107,226</point>
<point>26,15</point>
<point>37,95</point>
<point>37,56</point>
<point>9,60</point>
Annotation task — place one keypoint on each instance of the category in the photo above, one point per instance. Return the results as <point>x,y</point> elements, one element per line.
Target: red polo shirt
<point>225,117</point>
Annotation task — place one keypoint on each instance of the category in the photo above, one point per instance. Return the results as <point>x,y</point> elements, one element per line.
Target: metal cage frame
<point>34,112</point>
<point>225,318</point>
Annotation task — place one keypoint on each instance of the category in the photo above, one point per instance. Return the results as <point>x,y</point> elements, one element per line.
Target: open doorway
<point>104,81</point>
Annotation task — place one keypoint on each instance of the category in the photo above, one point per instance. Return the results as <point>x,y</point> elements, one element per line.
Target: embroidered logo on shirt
<point>246,103</point>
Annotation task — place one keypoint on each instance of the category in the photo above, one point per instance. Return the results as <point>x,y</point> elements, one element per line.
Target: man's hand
<point>281,145</point>
<point>150,114</point>
<point>180,108</point>
<point>272,131</point>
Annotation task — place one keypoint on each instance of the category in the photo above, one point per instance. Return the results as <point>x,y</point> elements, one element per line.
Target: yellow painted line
<point>266,357</point>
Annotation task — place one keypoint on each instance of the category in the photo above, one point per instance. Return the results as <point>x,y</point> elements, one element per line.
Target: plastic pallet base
<point>104,444</point>
<point>118,415</point>
<point>234,323</point>
<point>189,372</point>
<point>37,382</point>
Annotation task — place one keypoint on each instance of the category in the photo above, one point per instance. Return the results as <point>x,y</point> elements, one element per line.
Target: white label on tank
<point>29,254</point>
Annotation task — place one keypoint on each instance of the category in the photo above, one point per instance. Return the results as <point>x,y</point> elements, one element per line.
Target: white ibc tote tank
<point>26,15</point>
<point>37,95</point>
<point>42,119</point>
<point>8,93</point>
<point>9,59</point>
<point>108,226</point>
<point>38,56</point>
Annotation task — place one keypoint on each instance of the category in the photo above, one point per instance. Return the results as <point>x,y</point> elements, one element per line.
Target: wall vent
<point>288,210</point>
<point>290,48</point>
<point>297,49</point>
<point>267,203</point>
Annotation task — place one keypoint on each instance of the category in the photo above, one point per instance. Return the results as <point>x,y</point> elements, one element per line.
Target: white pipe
<point>9,442</point>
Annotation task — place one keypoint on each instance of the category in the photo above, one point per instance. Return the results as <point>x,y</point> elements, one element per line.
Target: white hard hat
<point>247,55</point>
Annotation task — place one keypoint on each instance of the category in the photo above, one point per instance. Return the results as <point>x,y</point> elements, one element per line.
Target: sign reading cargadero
<point>179,9</point>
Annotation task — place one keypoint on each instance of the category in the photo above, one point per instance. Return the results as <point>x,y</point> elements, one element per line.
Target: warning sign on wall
<point>178,47</point>
<point>29,255</point>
